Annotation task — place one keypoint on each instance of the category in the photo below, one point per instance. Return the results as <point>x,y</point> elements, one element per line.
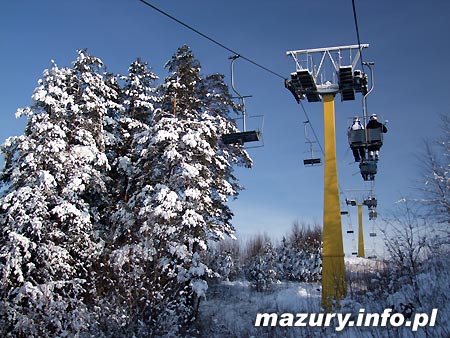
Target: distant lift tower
<point>321,81</point>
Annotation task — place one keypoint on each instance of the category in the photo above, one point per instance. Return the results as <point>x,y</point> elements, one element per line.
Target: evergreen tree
<point>261,269</point>
<point>191,175</point>
<point>51,208</point>
<point>128,285</point>
<point>110,197</point>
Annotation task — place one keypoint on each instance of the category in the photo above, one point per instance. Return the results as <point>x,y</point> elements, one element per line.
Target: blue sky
<point>409,43</point>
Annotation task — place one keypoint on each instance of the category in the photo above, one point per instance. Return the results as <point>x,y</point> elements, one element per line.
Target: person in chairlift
<point>373,123</point>
<point>358,152</point>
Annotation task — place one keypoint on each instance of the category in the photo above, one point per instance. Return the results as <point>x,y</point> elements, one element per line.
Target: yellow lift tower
<point>309,81</point>
<point>361,250</point>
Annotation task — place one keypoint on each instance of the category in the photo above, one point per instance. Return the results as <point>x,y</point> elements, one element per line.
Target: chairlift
<point>371,202</point>
<point>312,159</point>
<point>350,202</point>
<point>360,81</point>
<point>354,253</point>
<point>368,170</point>
<point>372,257</point>
<point>344,212</point>
<point>350,232</point>
<point>373,234</point>
<point>365,138</point>
<point>245,136</point>
<point>373,214</point>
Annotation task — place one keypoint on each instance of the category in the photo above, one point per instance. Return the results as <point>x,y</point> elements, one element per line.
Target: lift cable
<point>357,33</point>
<point>211,39</point>
<point>250,60</point>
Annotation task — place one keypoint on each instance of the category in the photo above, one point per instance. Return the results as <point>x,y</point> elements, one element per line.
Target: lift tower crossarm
<point>309,79</point>
<point>327,51</point>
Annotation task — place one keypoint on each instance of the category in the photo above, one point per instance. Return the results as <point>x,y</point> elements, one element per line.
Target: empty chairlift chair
<point>312,159</point>
<point>244,136</point>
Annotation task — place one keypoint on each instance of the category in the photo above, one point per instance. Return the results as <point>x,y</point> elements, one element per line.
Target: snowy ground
<point>231,307</point>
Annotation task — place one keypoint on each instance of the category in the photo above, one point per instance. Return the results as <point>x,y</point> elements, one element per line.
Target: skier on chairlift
<point>358,152</point>
<point>373,123</point>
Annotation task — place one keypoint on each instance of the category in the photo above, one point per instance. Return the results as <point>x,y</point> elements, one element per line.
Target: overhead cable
<point>210,38</point>
<point>357,32</point>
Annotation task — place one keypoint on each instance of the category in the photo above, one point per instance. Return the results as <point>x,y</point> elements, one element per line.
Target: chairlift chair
<point>374,137</point>
<point>312,159</point>
<point>371,202</point>
<point>372,214</point>
<point>373,234</point>
<point>244,136</point>
<point>356,138</point>
<point>360,82</point>
<point>350,202</point>
<point>368,170</point>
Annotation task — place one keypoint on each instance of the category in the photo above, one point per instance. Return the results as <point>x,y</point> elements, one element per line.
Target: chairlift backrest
<point>374,136</point>
<point>368,167</point>
<point>357,137</point>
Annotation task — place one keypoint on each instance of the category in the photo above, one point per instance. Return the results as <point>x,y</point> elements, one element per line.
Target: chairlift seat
<point>242,137</point>
<point>372,257</point>
<point>373,234</point>
<point>354,253</point>
<point>344,212</point>
<point>350,232</point>
<point>312,161</point>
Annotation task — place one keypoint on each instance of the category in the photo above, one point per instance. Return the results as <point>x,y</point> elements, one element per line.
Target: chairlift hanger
<point>245,136</point>
<point>311,160</point>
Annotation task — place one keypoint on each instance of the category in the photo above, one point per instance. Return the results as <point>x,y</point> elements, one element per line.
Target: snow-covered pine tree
<point>51,206</point>
<point>261,268</point>
<point>129,281</point>
<point>190,174</point>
